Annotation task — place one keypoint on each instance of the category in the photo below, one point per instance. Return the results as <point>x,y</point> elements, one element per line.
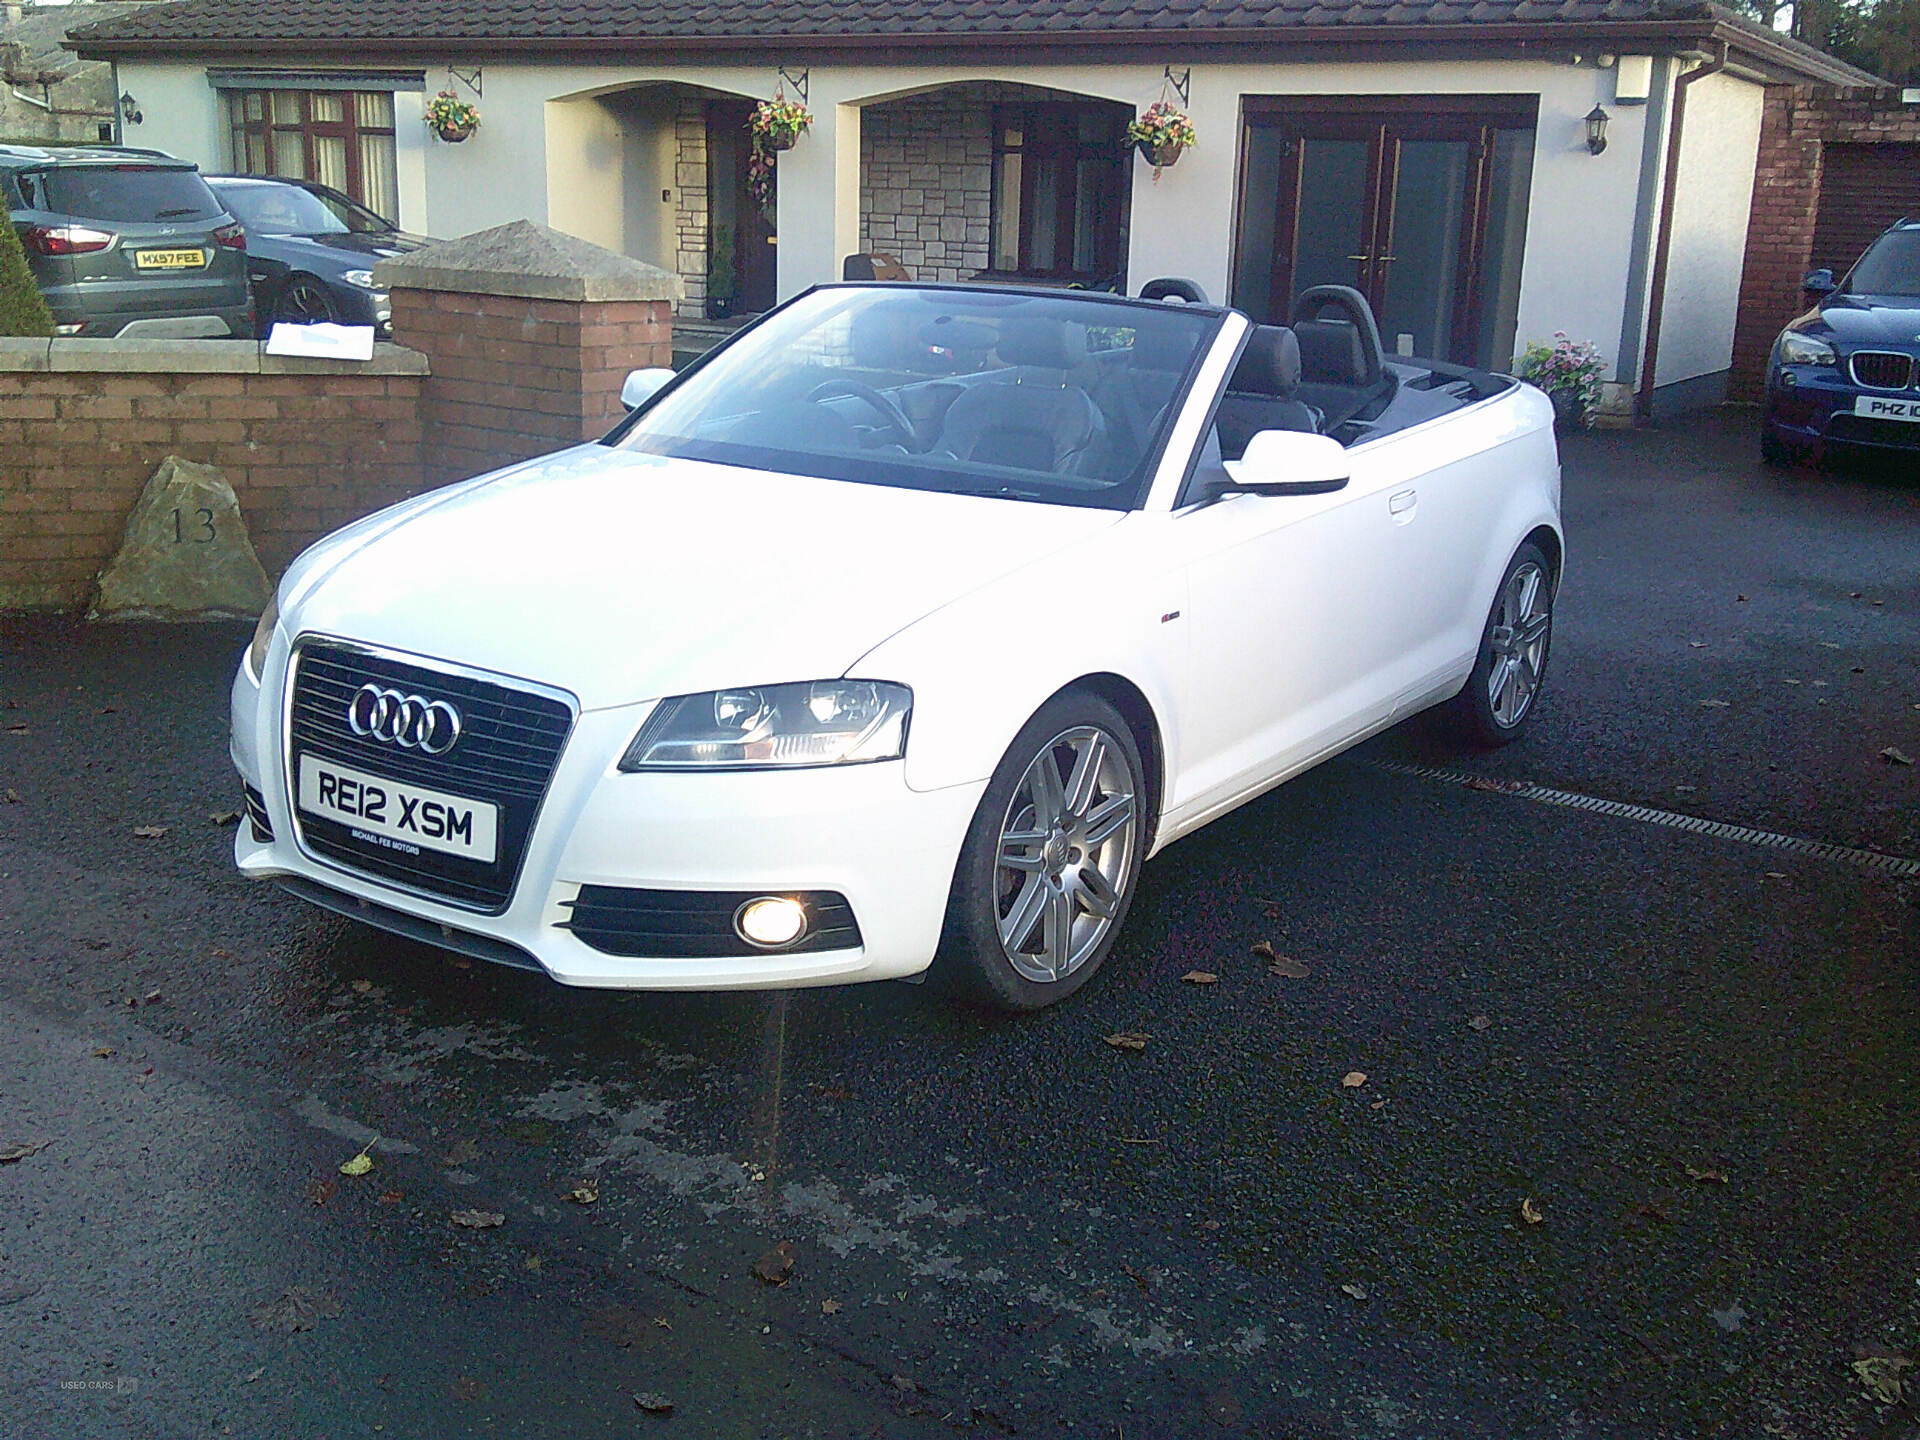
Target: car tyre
<point>304,300</point>
<point>1504,689</point>
<point>1050,862</point>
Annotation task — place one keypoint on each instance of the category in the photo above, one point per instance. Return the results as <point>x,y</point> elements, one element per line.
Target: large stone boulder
<point>186,555</point>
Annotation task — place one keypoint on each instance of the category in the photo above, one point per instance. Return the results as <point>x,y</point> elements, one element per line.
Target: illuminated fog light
<point>771,922</point>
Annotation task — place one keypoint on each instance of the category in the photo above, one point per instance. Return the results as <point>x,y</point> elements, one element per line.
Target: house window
<point>1059,189</point>
<point>342,138</point>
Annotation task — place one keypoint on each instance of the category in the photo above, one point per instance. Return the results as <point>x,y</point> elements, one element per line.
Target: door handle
<point>1402,502</point>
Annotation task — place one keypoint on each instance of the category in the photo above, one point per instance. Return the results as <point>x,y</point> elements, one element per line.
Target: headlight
<point>826,722</point>
<point>1798,349</point>
<point>262,638</point>
<point>362,278</point>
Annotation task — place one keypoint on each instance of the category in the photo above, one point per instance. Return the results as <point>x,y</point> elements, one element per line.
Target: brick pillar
<point>1786,195</point>
<point>529,334</point>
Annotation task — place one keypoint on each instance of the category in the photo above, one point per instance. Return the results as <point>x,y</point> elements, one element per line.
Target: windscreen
<point>1891,266</point>
<point>278,210</point>
<point>1055,398</point>
<point>130,194</point>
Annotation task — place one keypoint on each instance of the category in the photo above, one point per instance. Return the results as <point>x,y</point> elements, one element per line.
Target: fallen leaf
<point>1353,1079</point>
<point>1264,950</point>
<point>829,1307</point>
<point>1531,1212</point>
<point>218,954</point>
<point>1776,875</point>
<point>1884,1376</point>
<point>1480,1022</point>
<point>295,1308</point>
<point>391,1197</point>
<point>224,817</point>
<point>361,987</point>
<point>22,1150</point>
<point>13,796</point>
<point>1128,1040</point>
<point>653,1403</point>
<point>1200,977</point>
<point>477,1219</point>
<point>362,1163</point>
<point>1285,967</point>
<point>1379,1104</point>
<point>255,1373</point>
<point>153,997</point>
<point>150,832</point>
<point>904,1385</point>
<point>1696,644</point>
<point>17,729</point>
<point>776,1266</point>
<point>1740,598</point>
<point>585,1193</point>
<point>1894,755</point>
<point>103,1052</point>
<point>661,1322</point>
<point>1358,1292</point>
<point>461,1151</point>
<point>1705,1177</point>
<point>319,1192</point>
<point>1713,704</point>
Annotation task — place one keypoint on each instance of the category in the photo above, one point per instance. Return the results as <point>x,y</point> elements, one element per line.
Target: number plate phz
<point>395,816</point>
<point>1881,409</point>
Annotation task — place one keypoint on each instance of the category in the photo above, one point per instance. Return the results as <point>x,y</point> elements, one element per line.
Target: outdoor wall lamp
<point>1597,130</point>
<point>130,108</point>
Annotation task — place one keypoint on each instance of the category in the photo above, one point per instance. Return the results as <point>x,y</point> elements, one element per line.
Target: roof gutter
<point>1663,242</point>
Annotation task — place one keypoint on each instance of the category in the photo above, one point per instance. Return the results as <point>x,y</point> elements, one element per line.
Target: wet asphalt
<point>1693,1057</point>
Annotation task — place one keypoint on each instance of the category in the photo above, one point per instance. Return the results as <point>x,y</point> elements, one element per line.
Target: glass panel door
<point>1332,243</point>
<point>1419,262</point>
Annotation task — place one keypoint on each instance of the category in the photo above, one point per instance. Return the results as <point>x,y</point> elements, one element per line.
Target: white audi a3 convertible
<point>895,635</point>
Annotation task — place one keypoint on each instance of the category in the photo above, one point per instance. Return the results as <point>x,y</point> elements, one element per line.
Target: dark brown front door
<point>1418,204</point>
<point>733,203</point>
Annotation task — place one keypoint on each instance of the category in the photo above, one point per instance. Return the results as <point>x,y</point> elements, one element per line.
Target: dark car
<point>126,242</point>
<point>311,251</point>
<point>1846,375</point>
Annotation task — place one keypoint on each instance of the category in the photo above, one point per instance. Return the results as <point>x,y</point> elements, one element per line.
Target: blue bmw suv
<point>1846,375</point>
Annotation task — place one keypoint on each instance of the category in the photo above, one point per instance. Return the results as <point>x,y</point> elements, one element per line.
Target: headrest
<point>1174,287</point>
<point>1270,365</point>
<point>1164,348</point>
<point>1042,343</point>
<point>1332,352</point>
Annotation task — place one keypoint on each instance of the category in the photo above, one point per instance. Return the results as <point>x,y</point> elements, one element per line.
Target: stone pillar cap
<point>529,261</point>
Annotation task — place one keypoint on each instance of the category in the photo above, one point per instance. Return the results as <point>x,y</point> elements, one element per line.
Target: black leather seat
<point>1033,419</point>
<point>1263,393</point>
<point>1342,371</point>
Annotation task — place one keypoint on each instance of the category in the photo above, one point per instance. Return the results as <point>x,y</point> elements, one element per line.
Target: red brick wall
<point>1798,123</point>
<point>304,452</point>
<point>514,378</point>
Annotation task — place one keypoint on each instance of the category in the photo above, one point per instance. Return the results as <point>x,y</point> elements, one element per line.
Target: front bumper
<point>1811,407</point>
<point>855,830</point>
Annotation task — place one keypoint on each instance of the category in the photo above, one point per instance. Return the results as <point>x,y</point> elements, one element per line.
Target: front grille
<point>257,815</point>
<point>1865,430</point>
<point>510,741</point>
<point>698,924</point>
<point>1882,369</point>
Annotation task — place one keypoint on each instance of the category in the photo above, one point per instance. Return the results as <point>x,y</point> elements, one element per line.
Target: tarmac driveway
<point>1689,1052</point>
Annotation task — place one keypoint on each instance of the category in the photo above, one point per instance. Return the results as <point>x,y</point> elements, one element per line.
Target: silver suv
<point>127,242</point>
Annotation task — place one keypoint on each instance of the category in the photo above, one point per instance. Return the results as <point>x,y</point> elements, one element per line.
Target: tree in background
<point>23,310</point>
<point>1881,36</point>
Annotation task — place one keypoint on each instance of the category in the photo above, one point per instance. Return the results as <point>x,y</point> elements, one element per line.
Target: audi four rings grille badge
<point>412,722</point>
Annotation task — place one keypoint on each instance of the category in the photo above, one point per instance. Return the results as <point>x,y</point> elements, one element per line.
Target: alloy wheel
<point>1517,640</point>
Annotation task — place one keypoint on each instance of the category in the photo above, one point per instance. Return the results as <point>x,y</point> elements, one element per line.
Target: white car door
<point>1300,612</point>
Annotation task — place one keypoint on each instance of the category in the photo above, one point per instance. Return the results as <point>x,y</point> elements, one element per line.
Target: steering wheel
<point>885,408</point>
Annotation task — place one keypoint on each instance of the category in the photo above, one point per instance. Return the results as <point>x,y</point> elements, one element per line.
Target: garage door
<point>1863,190</point>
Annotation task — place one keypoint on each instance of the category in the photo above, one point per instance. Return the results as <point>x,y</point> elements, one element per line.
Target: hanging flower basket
<point>1160,133</point>
<point>778,124</point>
<point>1570,371</point>
<point>451,118</point>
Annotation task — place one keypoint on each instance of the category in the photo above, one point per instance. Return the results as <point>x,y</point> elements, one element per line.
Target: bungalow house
<point>1487,171</point>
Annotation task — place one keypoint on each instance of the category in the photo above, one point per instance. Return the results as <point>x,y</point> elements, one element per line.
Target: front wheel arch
<point>1142,724</point>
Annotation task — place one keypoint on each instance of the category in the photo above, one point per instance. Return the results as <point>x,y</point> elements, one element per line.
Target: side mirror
<point>1289,462</point>
<point>642,385</point>
<point>1819,282</point>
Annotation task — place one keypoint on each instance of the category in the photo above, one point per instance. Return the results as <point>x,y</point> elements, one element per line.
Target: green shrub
<point>23,309</point>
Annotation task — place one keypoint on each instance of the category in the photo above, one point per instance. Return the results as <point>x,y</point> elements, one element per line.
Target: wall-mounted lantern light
<point>1597,130</point>
<point>130,109</point>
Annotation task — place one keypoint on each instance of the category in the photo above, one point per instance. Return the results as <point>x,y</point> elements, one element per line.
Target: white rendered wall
<point>1719,148</point>
<point>538,156</point>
